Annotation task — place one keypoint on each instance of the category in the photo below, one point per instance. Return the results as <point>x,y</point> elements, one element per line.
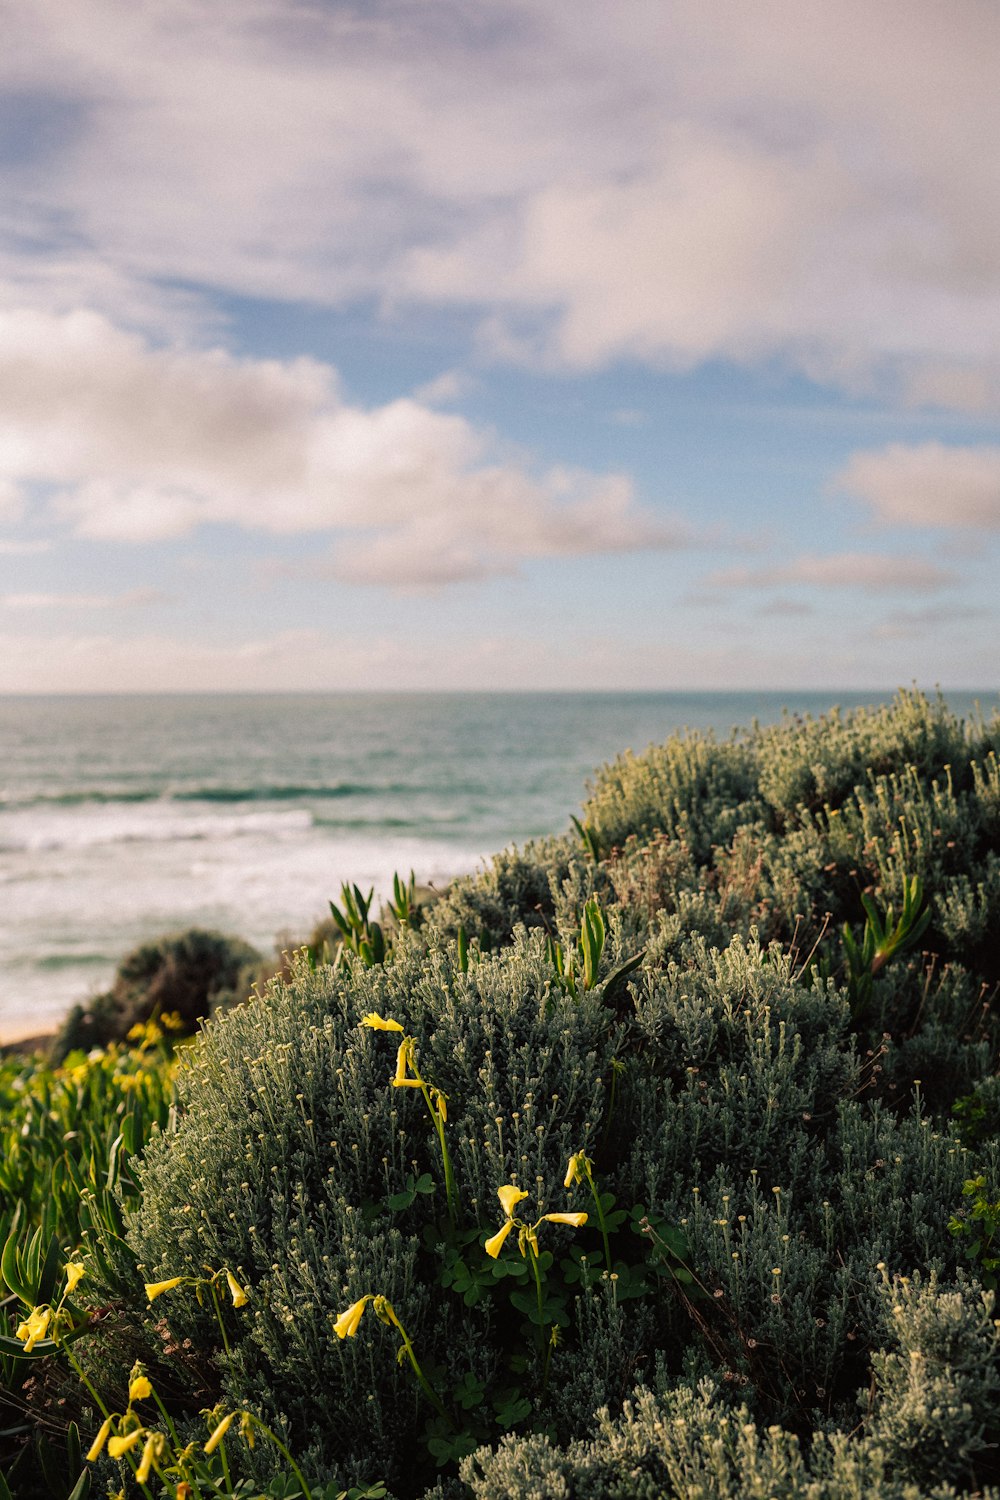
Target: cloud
<point>13,548</point>
<point>313,660</point>
<point>866,571</point>
<point>791,181</point>
<point>782,608</point>
<point>927,484</point>
<point>131,599</point>
<point>903,624</point>
<point>140,444</point>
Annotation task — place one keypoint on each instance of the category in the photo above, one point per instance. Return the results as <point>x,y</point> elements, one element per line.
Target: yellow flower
<point>346,1325</point>
<point>510,1197</point>
<point>151,1454</point>
<point>383,1308</point>
<point>34,1327</point>
<point>375,1022</point>
<point>118,1446</point>
<point>440,1102</point>
<point>574,1219</point>
<point>494,1245</point>
<point>404,1060</point>
<point>97,1446</point>
<point>220,1432</point>
<point>239,1296</point>
<point>246,1429</point>
<point>139,1389</point>
<point>577,1169</point>
<point>74,1275</point>
<point>156,1289</point>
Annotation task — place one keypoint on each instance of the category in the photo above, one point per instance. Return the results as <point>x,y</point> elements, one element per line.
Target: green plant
<point>977,1227</point>
<point>883,937</point>
<point>184,975</point>
<point>360,934</point>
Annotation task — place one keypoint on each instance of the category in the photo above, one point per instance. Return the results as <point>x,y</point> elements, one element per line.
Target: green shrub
<point>688,1445</point>
<point>936,1412</point>
<point>758,1107</point>
<point>183,976</point>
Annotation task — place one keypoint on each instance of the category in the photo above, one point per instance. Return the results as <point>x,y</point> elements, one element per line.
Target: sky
<point>499,344</point>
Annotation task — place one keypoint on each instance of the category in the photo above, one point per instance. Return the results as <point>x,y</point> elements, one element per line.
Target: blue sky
<point>461,344</point>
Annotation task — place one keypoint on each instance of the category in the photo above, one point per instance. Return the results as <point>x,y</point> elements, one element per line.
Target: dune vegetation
<point>661,1158</point>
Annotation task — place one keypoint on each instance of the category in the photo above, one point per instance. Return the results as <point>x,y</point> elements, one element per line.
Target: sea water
<point>124,818</point>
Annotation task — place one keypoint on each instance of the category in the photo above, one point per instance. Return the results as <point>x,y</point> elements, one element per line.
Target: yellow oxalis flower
<point>34,1327</point>
<point>346,1325</point>
<point>404,1060</point>
<point>510,1197</point>
<point>220,1432</point>
<point>375,1022</point>
<point>576,1220</point>
<point>577,1169</point>
<point>74,1275</point>
<point>156,1289</point>
<point>97,1446</point>
<point>152,1453</point>
<point>239,1296</point>
<point>118,1446</point>
<point>494,1245</point>
<point>139,1389</point>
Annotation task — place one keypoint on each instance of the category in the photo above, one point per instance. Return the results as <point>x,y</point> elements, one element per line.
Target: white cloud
<point>312,660</point>
<point>791,180</point>
<point>867,571</point>
<point>904,624</point>
<point>130,599</point>
<point>142,443</point>
<point>927,484</point>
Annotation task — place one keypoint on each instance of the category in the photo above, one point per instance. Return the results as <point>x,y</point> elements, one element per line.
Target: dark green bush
<point>183,976</point>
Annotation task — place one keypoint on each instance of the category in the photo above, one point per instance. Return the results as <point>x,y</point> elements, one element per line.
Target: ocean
<point>124,818</point>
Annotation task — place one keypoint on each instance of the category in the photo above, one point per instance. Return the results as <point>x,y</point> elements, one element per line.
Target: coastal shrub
<point>182,976</point>
<point>734,1060</point>
<point>693,788</point>
<point>807,765</point>
<point>935,1410</point>
<point>688,1444</point>
<point>656,1022</point>
<point>517,888</point>
<point>295,1161</point>
<point>747,1193</point>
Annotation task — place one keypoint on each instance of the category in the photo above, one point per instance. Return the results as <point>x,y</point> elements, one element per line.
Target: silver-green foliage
<point>291,1143</point>
<point>936,1411</point>
<point>689,1445</point>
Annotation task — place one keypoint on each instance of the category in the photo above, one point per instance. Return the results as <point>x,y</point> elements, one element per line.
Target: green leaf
<point>10,1267</point>
<point>81,1489</point>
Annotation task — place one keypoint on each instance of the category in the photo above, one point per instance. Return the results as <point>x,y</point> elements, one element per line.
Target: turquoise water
<point>125,817</point>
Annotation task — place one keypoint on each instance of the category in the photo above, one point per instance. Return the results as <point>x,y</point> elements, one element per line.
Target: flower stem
<point>449,1177</point>
<point>600,1218</point>
<point>272,1438</point>
<point>218,1317</point>
<point>543,1343</point>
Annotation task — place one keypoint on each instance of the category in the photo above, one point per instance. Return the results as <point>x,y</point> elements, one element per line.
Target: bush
<point>663,1025</point>
<point>183,976</point>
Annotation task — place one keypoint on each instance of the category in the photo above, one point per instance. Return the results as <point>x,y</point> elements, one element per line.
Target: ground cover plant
<point>660,1158</point>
